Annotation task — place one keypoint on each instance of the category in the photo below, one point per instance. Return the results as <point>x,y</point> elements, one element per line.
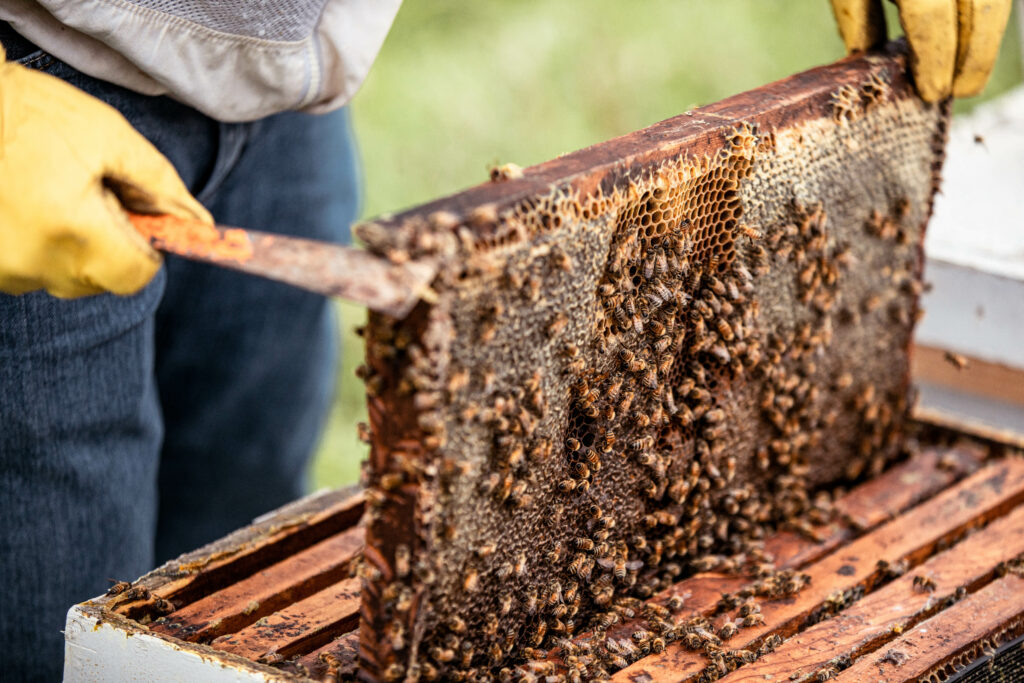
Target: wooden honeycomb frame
<point>641,357</point>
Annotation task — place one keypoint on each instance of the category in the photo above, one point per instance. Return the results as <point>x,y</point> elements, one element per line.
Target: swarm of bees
<point>616,391</point>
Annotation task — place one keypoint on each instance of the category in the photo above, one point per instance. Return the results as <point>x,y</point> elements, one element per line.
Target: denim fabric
<point>135,428</point>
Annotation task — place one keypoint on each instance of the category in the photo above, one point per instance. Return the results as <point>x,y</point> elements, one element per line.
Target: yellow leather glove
<point>953,43</point>
<point>67,162</point>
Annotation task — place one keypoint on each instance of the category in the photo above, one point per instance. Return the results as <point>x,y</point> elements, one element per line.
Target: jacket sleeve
<point>231,70</point>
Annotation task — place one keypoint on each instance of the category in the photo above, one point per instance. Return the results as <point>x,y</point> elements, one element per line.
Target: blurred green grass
<point>460,86</point>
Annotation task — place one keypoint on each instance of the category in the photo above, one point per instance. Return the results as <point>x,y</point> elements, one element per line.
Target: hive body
<point>641,357</point>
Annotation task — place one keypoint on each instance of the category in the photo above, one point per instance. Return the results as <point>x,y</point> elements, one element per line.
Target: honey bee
<point>162,605</point>
<point>619,570</point>
<point>488,329</point>
<point>541,668</point>
<point>753,619</point>
<point>561,260</point>
<point>924,584</point>
<point>554,593</point>
<point>275,658</point>
<point>118,587</point>
<point>702,309</point>
<point>583,543</point>
<point>714,415</point>
<point>580,471</point>
<point>443,655</point>
<point>613,390</point>
<point>531,601</point>
<point>557,325</point>
<point>678,491</point>
<point>504,571</point>
<point>715,432</point>
<point>555,554</point>
<point>470,581</point>
<point>136,592</point>
<point>608,442</point>
<point>520,567</point>
<point>956,360</point>
<point>533,288</point>
<point>806,275</point>
<point>871,303</point>
<point>606,290</point>
<point>505,604</point>
<point>458,381</point>
<point>566,485</point>
<point>692,641</point>
<point>457,625</point>
<point>402,560</point>
<point>624,320</point>
<point>648,270</point>
<point>725,331</point>
<point>641,636</point>
<point>721,353</point>
<point>698,331</point>
<point>579,564</point>
<point>660,291</point>
<point>825,673</point>
<point>750,232</point>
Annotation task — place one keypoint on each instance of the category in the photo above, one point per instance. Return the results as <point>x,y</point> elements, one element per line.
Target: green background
<point>462,85</point>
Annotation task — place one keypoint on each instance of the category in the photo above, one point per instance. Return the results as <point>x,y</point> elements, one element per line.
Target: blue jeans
<point>135,428</point>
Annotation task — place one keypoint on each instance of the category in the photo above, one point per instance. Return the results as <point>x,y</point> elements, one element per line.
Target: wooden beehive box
<point>917,572</point>
<point>867,591</point>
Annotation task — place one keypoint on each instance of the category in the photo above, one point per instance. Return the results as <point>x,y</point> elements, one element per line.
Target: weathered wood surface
<point>897,607</point>
<point>267,591</point>
<point>241,554</point>
<point>949,640</point>
<point>922,510</point>
<point>985,495</point>
<point>339,658</point>
<point>906,484</point>
<point>300,627</point>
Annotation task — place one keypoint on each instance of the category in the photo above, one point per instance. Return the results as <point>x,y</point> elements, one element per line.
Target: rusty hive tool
<point>377,283</point>
<point>642,357</point>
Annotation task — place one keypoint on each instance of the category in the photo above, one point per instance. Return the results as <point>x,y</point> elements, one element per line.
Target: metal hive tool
<point>642,356</point>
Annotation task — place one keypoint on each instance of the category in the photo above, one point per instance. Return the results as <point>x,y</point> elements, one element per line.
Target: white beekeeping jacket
<point>234,60</point>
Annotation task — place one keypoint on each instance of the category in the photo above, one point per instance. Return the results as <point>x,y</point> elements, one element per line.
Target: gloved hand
<point>953,43</point>
<point>67,162</point>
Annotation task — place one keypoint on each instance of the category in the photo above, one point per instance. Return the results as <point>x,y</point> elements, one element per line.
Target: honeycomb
<point>622,384</point>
